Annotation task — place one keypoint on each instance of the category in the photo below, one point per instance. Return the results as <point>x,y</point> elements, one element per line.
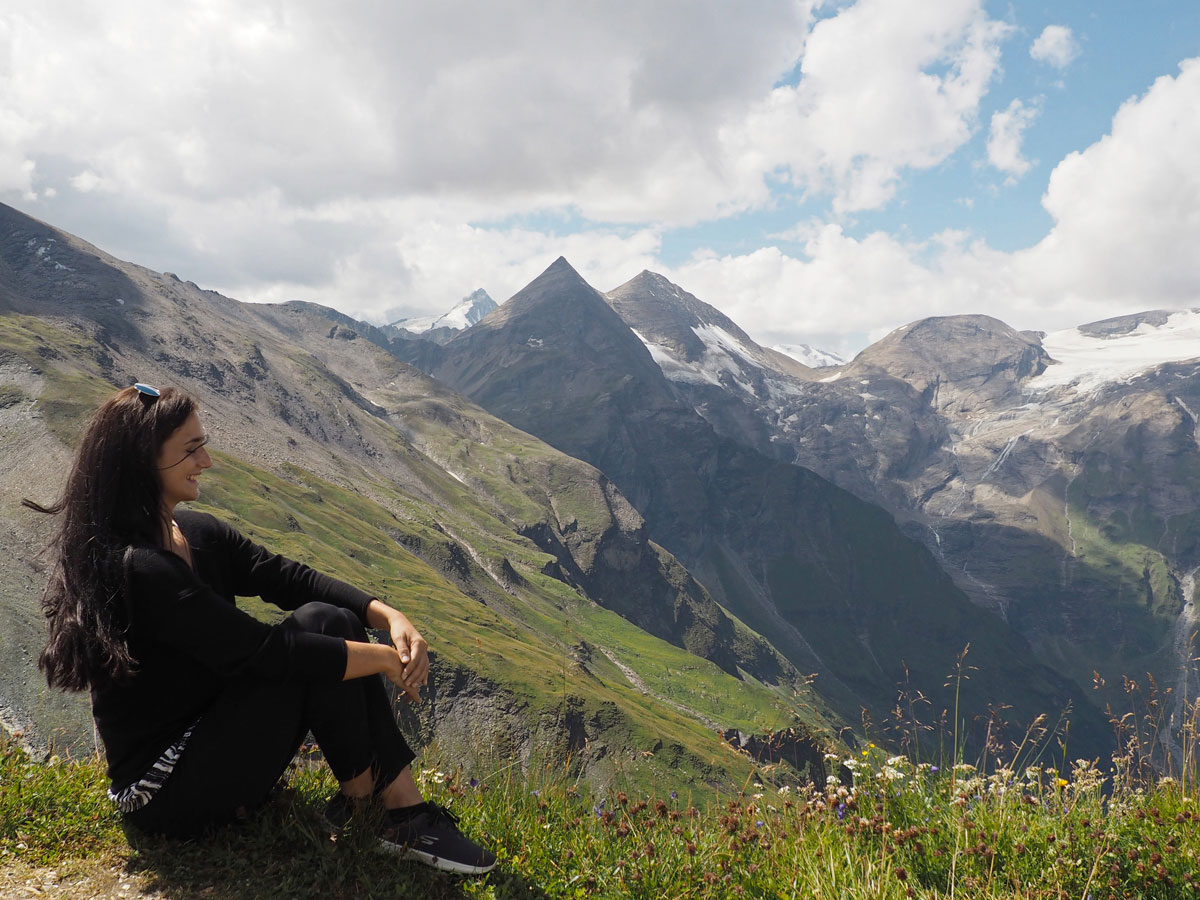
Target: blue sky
<point>822,172</point>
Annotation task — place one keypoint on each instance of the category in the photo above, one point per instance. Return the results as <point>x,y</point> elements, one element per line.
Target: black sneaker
<point>428,833</point>
<point>340,808</point>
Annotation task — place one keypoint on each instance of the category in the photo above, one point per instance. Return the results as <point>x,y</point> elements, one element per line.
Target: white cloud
<point>1126,228</point>
<point>86,182</point>
<point>1056,46</point>
<point>1006,136</point>
<point>886,85</point>
<point>375,156</point>
<point>1125,209</point>
<point>227,140</point>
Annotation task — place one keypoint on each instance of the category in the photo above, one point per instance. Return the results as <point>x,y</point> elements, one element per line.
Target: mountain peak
<point>465,313</point>
<point>969,359</point>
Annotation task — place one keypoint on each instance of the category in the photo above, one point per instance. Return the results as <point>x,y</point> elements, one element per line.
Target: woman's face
<point>181,459</point>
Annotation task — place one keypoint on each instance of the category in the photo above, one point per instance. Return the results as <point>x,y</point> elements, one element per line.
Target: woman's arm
<point>371,659</point>
<point>410,647</point>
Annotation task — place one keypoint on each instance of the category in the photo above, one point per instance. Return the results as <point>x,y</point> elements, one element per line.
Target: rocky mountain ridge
<point>841,591</point>
<point>526,569</point>
<point>1054,476</point>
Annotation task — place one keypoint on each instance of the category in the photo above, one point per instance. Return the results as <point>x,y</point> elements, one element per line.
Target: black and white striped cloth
<point>142,791</point>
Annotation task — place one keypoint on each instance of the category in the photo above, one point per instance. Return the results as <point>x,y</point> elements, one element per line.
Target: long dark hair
<point>112,500</point>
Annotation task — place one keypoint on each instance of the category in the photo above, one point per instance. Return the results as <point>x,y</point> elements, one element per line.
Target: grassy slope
<point>520,642</point>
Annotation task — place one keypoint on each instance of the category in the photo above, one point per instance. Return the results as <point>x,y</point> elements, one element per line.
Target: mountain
<point>812,357</point>
<point>441,328</point>
<point>1053,476</point>
<point>833,581</point>
<point>557,625</point>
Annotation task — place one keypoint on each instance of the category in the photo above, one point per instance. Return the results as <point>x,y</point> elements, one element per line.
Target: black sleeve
<point>171,606</point>
<point>257,572</point>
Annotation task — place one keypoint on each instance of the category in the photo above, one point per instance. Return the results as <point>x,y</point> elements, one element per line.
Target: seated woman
<point>200,706</point>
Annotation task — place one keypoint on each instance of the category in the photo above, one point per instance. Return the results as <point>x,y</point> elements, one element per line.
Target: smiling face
<point>181,459</point>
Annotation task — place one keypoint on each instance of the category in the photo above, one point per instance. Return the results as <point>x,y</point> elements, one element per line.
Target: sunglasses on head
<point>149,394</point>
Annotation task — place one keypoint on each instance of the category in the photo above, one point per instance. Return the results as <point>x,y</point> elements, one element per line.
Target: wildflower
<point>534,793</point>
<point>1062,782</point>
<point>474,782</point>
<point>934,769</point>
<point>673,795</point>
<point>841,811</point>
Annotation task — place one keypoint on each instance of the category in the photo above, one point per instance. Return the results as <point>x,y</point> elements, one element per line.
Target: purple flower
<point>934,769</point>
<point>474,782</point>
<point>534,793</point>
<point>673,795</point>
<point>841,811</point>
<point>598,809</point>
<point>759,824</point>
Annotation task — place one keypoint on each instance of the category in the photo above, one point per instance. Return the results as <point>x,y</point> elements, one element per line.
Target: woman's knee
<point>324,618</point>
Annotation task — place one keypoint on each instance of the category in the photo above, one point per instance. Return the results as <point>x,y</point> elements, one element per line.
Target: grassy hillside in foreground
<point>1033,830</point>
<point>525,662</point>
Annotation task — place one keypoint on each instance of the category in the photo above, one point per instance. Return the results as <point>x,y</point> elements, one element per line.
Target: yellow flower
<point>1062,782</point>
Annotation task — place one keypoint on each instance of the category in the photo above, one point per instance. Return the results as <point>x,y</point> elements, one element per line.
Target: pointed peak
<point>559,274</point>
<point>646,281</point>
<point>561,265</point>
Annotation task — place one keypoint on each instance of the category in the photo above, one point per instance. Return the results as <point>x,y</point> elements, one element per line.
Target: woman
<point>200,706</point>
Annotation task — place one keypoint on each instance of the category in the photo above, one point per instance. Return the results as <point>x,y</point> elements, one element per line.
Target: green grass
<point>892,830</point>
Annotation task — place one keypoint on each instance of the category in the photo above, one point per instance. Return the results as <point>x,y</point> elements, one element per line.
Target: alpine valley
<point>634,536</point>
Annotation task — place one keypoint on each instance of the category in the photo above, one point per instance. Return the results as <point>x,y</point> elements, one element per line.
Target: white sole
<point>435,862</point>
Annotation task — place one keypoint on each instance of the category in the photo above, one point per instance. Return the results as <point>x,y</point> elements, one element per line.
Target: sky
<point>822,172</point>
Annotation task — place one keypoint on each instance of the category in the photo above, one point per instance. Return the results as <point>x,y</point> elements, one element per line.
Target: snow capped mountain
<point>465,314</point>
<point>812,357</point>
<point>1115,350</point>
<point>697,345</point>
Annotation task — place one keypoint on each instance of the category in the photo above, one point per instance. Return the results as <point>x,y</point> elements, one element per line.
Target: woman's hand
<point>410,645</point>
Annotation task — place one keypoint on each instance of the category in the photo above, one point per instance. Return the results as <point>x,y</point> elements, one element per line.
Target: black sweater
<point>190,640</point>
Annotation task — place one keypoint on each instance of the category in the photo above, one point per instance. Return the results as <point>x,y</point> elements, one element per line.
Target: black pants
<point>245,740</point>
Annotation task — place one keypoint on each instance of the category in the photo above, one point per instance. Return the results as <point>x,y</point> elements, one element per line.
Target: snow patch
<point>1088,362</point>
<point>812,357</point>
<point>674,368</point>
